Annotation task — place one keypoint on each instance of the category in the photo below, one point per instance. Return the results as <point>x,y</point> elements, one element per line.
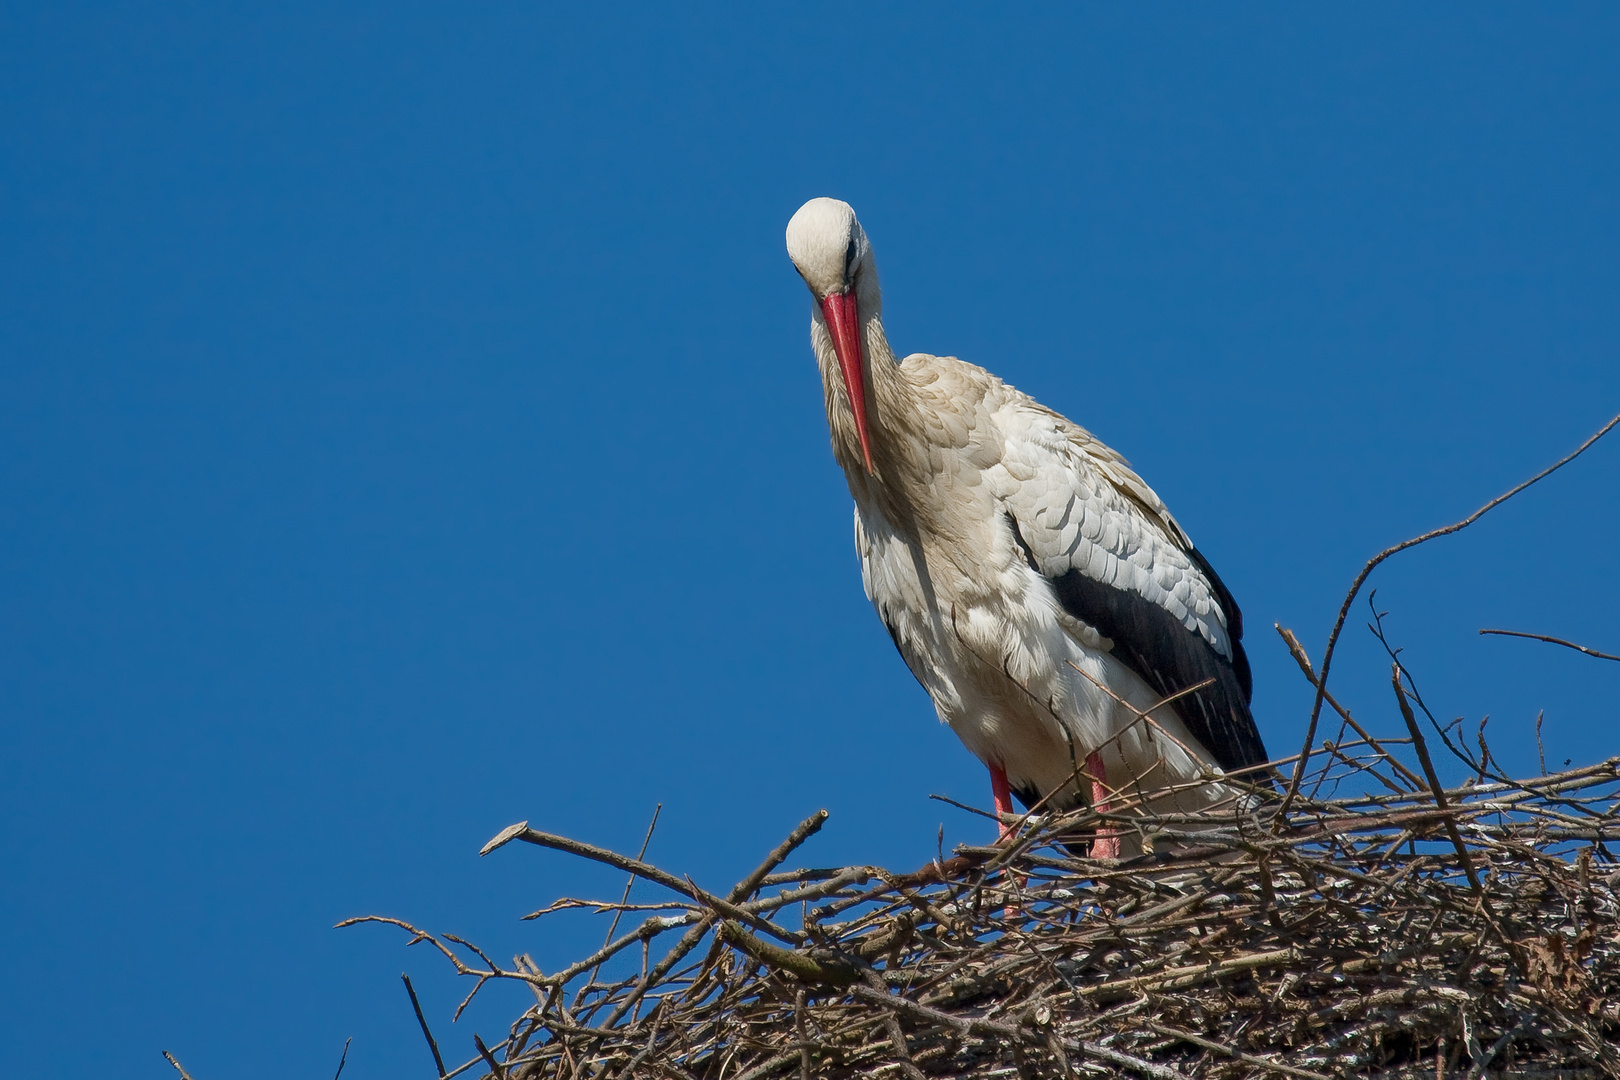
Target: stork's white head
<point>828,246</point>
<point>830,250</point>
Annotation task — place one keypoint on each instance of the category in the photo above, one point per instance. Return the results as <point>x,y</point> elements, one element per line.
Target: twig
<point>972,809</point>
<point>521,831</point>
<point>1227,1051</point>
<point>1434,782</point>
<point>625,899</point>
<point>344,1059</point>
<point>1372,564</point>
<point>1007,1031</point>
<point>1554,641</point>
<point>765,1068</point>
<point>495,1067</point>
<point>1303,659</point>
<point>897,1035</point>
<point>1541,750</point>
<point>438,1062</point>
<point>801,832</point>
<point>1484,1060</point>
<point>803,1032</point>
<point>177,1066</point>
<point>689,941</point>
<point>826,971</point>
<point>1181,977</point>
<point>597,907</point>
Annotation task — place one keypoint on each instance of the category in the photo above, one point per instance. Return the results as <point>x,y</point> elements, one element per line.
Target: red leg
<point>1106,845</point>
<point>1002,794</point>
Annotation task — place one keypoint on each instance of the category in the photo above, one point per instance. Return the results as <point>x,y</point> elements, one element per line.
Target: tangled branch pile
<point>1418,931</point>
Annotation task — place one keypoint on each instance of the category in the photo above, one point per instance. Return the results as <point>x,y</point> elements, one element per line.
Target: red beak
<point>844,321</point>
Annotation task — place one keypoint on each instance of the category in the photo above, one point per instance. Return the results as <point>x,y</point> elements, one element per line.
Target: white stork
<point>1035,586</point>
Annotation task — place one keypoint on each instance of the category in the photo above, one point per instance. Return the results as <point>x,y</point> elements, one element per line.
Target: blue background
<point>408,427</point>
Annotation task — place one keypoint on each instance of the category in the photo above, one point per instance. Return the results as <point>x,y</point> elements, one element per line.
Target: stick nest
<point>1417,931</point>
<point>1402,929</point>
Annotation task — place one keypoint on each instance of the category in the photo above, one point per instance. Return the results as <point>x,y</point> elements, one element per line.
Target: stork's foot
<point>1105,845</point>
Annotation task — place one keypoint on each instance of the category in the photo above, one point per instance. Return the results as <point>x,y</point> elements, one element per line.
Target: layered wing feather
<point>1118,562</point>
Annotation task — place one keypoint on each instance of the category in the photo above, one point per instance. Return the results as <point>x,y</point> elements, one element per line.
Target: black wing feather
<point>1234,622</point>
<point>1159,648</point>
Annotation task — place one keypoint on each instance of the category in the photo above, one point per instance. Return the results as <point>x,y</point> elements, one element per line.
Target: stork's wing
<point>1117,561</point>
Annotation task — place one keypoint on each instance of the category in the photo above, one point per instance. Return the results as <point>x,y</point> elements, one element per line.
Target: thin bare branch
<point>416,1006</point>
<point>1554,641</point>
<point>1301,658</point>
<point>344,1059</point>
<point>1434,780</point>
<point>496,1069</point>
<point>1373,563</point>
<point>177,1066</point>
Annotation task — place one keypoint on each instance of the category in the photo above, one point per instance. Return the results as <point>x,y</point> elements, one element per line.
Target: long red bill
<point>844,321</point>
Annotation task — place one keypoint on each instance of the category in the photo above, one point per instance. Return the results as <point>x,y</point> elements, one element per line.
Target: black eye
<point>850,254</point>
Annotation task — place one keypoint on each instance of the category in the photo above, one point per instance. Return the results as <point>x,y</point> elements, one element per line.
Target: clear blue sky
<point>408,427</point>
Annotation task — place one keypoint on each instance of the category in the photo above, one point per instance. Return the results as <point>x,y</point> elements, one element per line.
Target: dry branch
<point>1372,564</point>
<point>1554,641</point>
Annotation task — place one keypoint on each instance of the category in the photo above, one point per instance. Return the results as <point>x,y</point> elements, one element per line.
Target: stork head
<point>830,250</point>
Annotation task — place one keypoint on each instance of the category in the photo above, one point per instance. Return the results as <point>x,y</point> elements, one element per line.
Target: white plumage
<point>1028,577</point>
